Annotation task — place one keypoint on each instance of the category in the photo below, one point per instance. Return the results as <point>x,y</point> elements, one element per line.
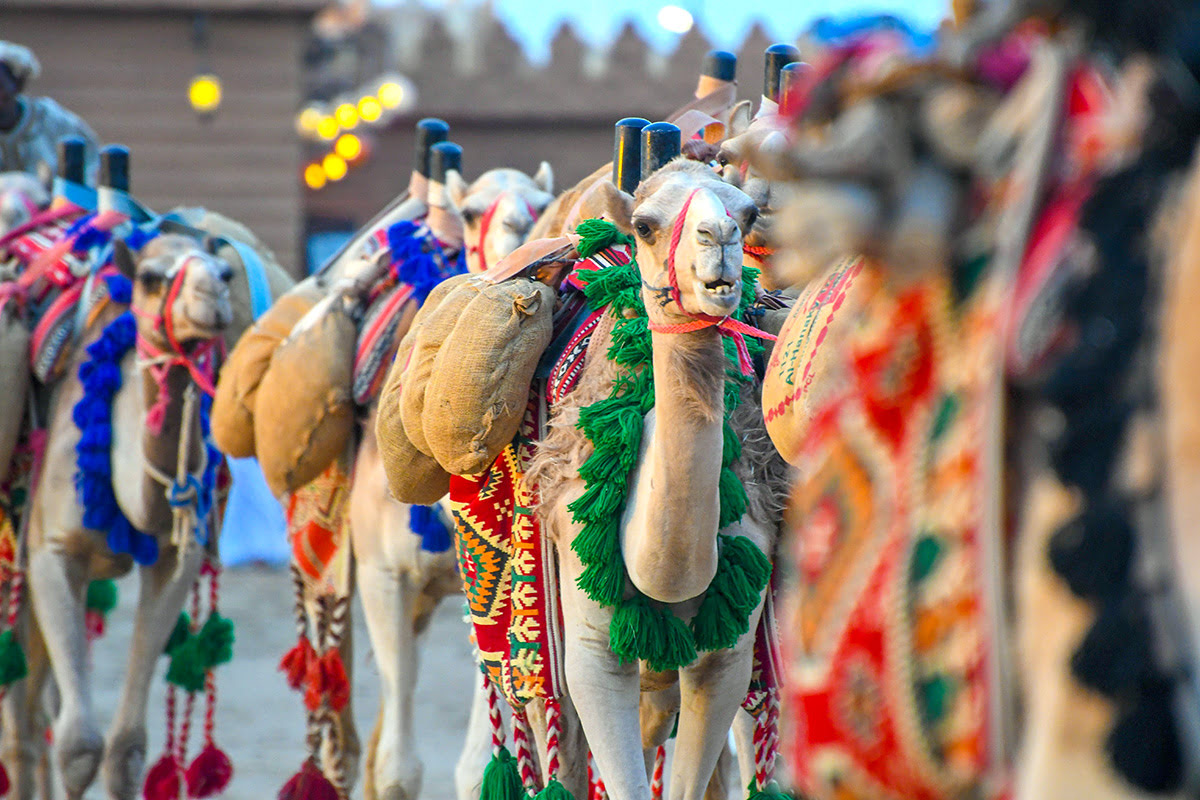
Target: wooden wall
<point>127,73</point>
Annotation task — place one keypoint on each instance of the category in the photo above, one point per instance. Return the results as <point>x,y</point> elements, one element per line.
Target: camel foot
<point>124,763</point>
<point>79,748</point>
<point>395,778</point>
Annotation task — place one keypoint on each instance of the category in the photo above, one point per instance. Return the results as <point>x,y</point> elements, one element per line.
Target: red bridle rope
<point>732,328</point>
<point>485,223</point>
<point>200,362</point>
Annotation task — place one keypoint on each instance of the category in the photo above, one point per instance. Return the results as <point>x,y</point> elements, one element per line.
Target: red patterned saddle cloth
<point>886,617</point>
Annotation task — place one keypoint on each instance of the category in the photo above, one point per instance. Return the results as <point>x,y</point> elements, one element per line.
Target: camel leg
<point>477,748</point>
<point>24,741</point>
<point>712,689</point>
<point>743,737</point>
<point>164,588</point>
<point>57,582</point>
<point>572,772</point>
<point>657,712</point>
<point>388,601</point>
<point>605,691</point>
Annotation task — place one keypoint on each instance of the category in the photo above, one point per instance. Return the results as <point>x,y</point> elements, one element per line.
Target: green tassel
<point>598,501</point>
<point>604,581</point>
<point>713,627</point>
<point>598,542</point>
<point>101,596</point>
<point>732,496</point>
<point>731,447</point>
<point>597,234</point>
<point>642,631</point>
<point>215,640</point>
<point>502,778</point>
<point>179,634</point>
<point>12,659</point>
<point>188,668</point>
<point>769,792</point>
<point>745,553</point>
<point>554,791</point>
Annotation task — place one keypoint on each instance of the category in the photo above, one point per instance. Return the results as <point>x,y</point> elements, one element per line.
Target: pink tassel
<point>162,781</point>
<point>4,784</point>
<point>297,661</point>
<point>209,773</point>
<point>308,784</point>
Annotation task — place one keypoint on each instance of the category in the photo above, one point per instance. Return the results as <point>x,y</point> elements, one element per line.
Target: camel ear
<point>739,119</point>
<point>618,206</point>
<point>124,259</point>
<point>544,178</point>
<point>456,188</point>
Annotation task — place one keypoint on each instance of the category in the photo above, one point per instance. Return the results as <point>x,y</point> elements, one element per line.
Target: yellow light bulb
<point>347,116</point>
<point>327,128</point>
<point>309,120</point>
<point>348,146</point>
<point>334,166</point>
<point>314,176</point>
<point>369,109</point>
<point>204,93</point>
<point>391,94</point>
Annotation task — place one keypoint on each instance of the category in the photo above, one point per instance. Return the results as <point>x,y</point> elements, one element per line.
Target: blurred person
<point>31,127</point>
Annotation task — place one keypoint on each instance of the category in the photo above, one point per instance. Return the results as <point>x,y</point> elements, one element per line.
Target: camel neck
<point>163,427</point>
<point>670,543</point>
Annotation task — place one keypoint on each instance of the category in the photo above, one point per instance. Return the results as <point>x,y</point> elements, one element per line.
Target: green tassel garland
<point>769,792</point>
<point>179,634</point>
<point>640,628</point>
<point>502,778</point>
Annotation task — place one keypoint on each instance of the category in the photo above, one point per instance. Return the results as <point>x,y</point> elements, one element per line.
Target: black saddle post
<point>627,156</point>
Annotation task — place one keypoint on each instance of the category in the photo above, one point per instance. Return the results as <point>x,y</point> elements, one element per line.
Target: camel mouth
<point>720,289</point>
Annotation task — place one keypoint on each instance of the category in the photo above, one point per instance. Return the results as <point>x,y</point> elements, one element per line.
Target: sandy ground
<point>260,722</point>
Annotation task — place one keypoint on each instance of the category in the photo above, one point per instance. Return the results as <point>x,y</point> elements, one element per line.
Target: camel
<point>669,529</point>
<point>401,584</point>
<point>65,554</point>
<point>1065,729</point>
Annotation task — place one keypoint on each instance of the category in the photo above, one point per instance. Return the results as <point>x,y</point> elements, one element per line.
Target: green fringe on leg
<point>101,596</point>
<point>769,792</point>
<point>641,630</point>
<point>554,791</point>
<point>604,581</point>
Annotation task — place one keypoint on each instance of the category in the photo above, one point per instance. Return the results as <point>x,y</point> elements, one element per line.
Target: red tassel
<point>308,784</point>
<point>209,773</point>
<point>162,781</point>
<point>297,661</point>
<point>4,784</point>
<point>314,684</point>
<point>337,685</point>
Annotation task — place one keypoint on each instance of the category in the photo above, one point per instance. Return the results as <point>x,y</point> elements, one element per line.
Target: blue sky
<point>725,22</point>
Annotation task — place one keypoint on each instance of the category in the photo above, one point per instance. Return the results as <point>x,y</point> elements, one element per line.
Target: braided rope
<point>337,770</point>
<point>760,749</point>
<point>772,737</point>
<point>494,718</point>
<point>298,610</point>
<point>656,780</point>
<point>522,736</point>
<point>16,586</point>
<point>553,732</point>
<point>189,704</point>
<point>210,683</point>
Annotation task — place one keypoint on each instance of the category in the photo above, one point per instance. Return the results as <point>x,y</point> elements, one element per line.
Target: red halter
<point>200,362</point>
<point>726,325</point>
<point>486,222</point>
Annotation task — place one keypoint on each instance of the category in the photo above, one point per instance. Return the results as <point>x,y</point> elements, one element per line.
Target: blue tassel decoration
<point>427,523</point>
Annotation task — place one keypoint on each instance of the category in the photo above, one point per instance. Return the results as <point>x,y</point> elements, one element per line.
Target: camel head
<point>708,254</point>
<point>499,210</point>
<point>180,290</point>
<point>21,195</point>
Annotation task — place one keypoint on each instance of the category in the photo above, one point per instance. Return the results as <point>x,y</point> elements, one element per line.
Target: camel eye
<point>151,281</point>
<point>469,216</point>
<point>723,158</point>
<point>643,231</point>
<point>751,218</point>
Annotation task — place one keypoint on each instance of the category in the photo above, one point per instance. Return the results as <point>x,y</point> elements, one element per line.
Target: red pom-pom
<point>296,662</point>
<point>4,784</point>
<point>209,773</point>
<point>162,781</point>
<point>337,685</point>
<point>314,684</point>
<point>308,784</point>
<point>93,623</point>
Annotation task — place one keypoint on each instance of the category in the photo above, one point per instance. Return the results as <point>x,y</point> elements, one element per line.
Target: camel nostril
<point>226,274</point>
<point>716,233</point>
